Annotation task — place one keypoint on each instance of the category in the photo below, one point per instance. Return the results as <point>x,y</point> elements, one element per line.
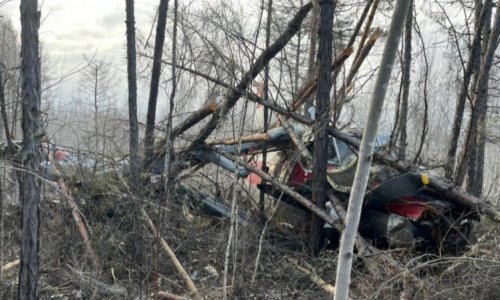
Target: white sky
<point>71,29</point>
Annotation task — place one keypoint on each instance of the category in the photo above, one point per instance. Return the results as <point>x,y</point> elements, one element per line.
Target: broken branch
<point>10,265</point>
<point>330,289</point>
<point>80,225</point>
<point>195,118</point>
<point>173,258</point>
<point>247,78</point>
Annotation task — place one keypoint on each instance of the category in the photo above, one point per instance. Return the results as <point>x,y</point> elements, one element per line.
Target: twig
<point>10,265</point>
<point>330,289</point>
<point>169,296</point>
<point>173,258</point>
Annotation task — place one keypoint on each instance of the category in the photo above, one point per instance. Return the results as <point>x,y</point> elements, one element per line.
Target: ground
<point>130,264</point>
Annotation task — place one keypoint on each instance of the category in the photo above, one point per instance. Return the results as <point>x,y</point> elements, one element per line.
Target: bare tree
<point>475,52</point>
<point>403,112</point>
<point>479,110</point>
<point>266,110</point>
<point>366,151</point>
<point>155,81</point>
<point>169,145</point>
<point>320,155</point>
<point>30,182</point>
<point>132,89</point>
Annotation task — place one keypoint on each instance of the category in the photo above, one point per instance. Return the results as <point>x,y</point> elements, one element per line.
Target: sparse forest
<point>267,149</point>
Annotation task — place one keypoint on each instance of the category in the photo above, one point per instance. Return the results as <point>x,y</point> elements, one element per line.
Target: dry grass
<point>128,256</point>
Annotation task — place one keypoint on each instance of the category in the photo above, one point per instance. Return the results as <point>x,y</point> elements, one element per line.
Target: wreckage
<point>401,208</point>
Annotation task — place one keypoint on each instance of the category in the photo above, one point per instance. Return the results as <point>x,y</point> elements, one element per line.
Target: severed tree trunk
<point>155,81</point>
<point>320,155</point>
<point>30,182</point>
<point>403,112</point>
<point>132,90</point>
<point>366,151</point>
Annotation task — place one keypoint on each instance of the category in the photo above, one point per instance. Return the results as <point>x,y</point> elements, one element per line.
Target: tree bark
<point>459,112</point>
<point>169,144</point>
<point>480,107</point>
<point>366,151</point>
<point>132,90</point>
<point>262,199</point>
<point>403,112</point>
<point>155,78</point>
<point>30,183</point>
<point>320,156</point>
<point>475,168</point>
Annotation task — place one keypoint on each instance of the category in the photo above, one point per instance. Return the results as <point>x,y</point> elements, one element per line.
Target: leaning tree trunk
<point>30,183</point>
<point>366,151</point>
<point>155,80</point>
<point>320,155</point>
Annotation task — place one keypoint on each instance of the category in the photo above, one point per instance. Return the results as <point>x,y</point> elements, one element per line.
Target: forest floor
<point>131,265</point>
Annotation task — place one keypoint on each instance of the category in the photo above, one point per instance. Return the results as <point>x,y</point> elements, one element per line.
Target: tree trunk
<point>169,144</point>
<point>366,151</point>
<point>403,112</point>
<point>132,90</point>
<point>459,112</point>
<point>479,110</point>
<point>320,155</point>
<point>262,199</point>
<point>475,165</point>
<point>30,183</point>
<point>155,80</point>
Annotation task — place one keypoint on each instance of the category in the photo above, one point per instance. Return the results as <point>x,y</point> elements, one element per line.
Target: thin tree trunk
<point>475,164</point>
<point>169,145</point>
<point>403,112</point>
<point>132,90</point>
<point>155,80</point>
<point>311,58</point>
<point>320,155</point>
<point>367,28</point>
<point>366,151</point>
<point>425,120</point>
<point>311,61</point>
<point>266,110</point>
<point>480,103</point>
<point>30,184</point>
<point>459,112</point>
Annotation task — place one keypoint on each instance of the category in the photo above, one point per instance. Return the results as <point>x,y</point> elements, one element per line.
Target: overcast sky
<point>71,29</point>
